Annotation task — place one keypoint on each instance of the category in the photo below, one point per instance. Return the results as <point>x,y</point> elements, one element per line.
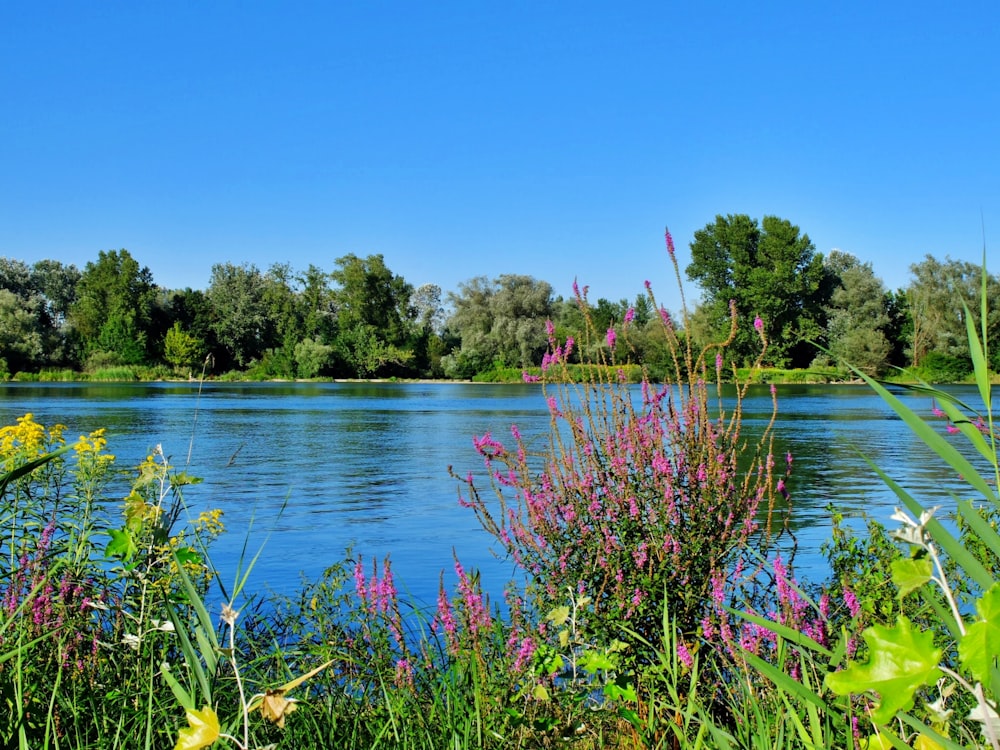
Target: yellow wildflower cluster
<point>209,523</point>
<point>89,448</point>
<point>28,439</point>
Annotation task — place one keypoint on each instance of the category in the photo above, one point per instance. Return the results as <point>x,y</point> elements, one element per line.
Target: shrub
<point>642,496</point>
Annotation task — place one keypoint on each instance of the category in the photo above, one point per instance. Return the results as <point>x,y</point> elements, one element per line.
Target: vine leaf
<point>980,645</point>
<point>911,574</point>
<point>901,660</point>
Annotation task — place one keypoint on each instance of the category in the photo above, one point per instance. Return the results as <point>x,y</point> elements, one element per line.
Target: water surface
<point>366,464</point>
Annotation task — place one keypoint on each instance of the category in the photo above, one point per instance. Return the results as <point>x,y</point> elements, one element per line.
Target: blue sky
<point>461,139</point>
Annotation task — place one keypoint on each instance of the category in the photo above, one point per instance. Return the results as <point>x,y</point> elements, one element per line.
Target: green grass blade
<point>15,474</point>
<point>977,350</point>
<point>930,437</point>
<point>952,546</point>
<point>980,526</point>
<point>784,681</point>
<point>789,634</point>
<point>190,654</point>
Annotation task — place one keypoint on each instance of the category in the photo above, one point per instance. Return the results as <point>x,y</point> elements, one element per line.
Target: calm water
<point>366,465</point>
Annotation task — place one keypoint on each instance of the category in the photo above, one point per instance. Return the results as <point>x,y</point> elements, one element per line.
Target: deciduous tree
<point>769,270</point>
<point>113,307</point>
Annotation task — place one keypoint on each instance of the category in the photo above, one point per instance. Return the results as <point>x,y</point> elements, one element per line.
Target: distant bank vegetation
<point>111,321</point>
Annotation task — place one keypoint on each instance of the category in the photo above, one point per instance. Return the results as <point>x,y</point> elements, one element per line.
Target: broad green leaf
<point>901,660</point>
<point>540,693</point>
<point>122,545</point>
<point>564,637</point>
<point>620,689</point>
<point>187,555</point>
<point>910,574</point>
<point>980,646</point>
<point>558,616</point>
<point>592,661</point>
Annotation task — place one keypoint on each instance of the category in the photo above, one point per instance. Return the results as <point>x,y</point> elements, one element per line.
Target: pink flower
<point>612,337</point>
<point>758,324</point>
<point>670,242</point>
<point>684,655</point>
<point>529,378</point>
<point>852,603</point>
<point>630,315</point>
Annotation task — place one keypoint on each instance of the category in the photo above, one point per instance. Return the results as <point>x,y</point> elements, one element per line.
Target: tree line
<point>360,319</point>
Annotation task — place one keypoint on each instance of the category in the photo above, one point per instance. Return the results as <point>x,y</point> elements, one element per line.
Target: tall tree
<point>857,314</point>
<point>21,334</point>
<point>236,296</point>
<point>500,323</point>
<point>374,315</point>
<point>769,270</point>
<point>935,297</point>
<point>113,307</point>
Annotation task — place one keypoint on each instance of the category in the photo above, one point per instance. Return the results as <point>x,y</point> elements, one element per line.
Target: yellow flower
<point>202,732</point>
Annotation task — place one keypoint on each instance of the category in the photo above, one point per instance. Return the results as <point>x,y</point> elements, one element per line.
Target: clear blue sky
<point>467,138</point>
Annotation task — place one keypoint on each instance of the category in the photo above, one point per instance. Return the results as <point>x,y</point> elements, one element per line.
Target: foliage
<point>311,357</point>
<point>240,322</point>
<point>926,674</point>
<point>938,299</point>
<point>639,500</point>
<point>857,315</point>
<point>500,323</point>
<point>113,307</point>
<point>181,350</point>
<point>771,272</point>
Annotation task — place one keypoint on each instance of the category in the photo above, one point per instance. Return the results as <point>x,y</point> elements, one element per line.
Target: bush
<point>944,368</point>
<point>641,500</point>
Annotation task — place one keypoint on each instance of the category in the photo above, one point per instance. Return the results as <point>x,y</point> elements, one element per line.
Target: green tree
<point>317,307</point>
<point>311,357</point>
<point>768,270</point>
<point>937,319</point>
<point>239,311</point>
<point>44,292</point>
<point>181,350</point>
<point>499,323</point>
<point>857,315</point>
<point>21,338</point>
<point>113,308</point>
<point>374,316</point>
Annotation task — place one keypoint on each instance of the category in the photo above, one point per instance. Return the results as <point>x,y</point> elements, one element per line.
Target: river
<point>365,465</point>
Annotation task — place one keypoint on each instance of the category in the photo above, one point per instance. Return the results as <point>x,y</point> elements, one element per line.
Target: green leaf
<point>901,660</point>
<point>980,646</point>
<point>122,545</point>
<point>910,574</point>
<point>187,555</point>
<point>29,467</point>
<point>540,693</point>
<point>592,661</point>
<point>558,616</point>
